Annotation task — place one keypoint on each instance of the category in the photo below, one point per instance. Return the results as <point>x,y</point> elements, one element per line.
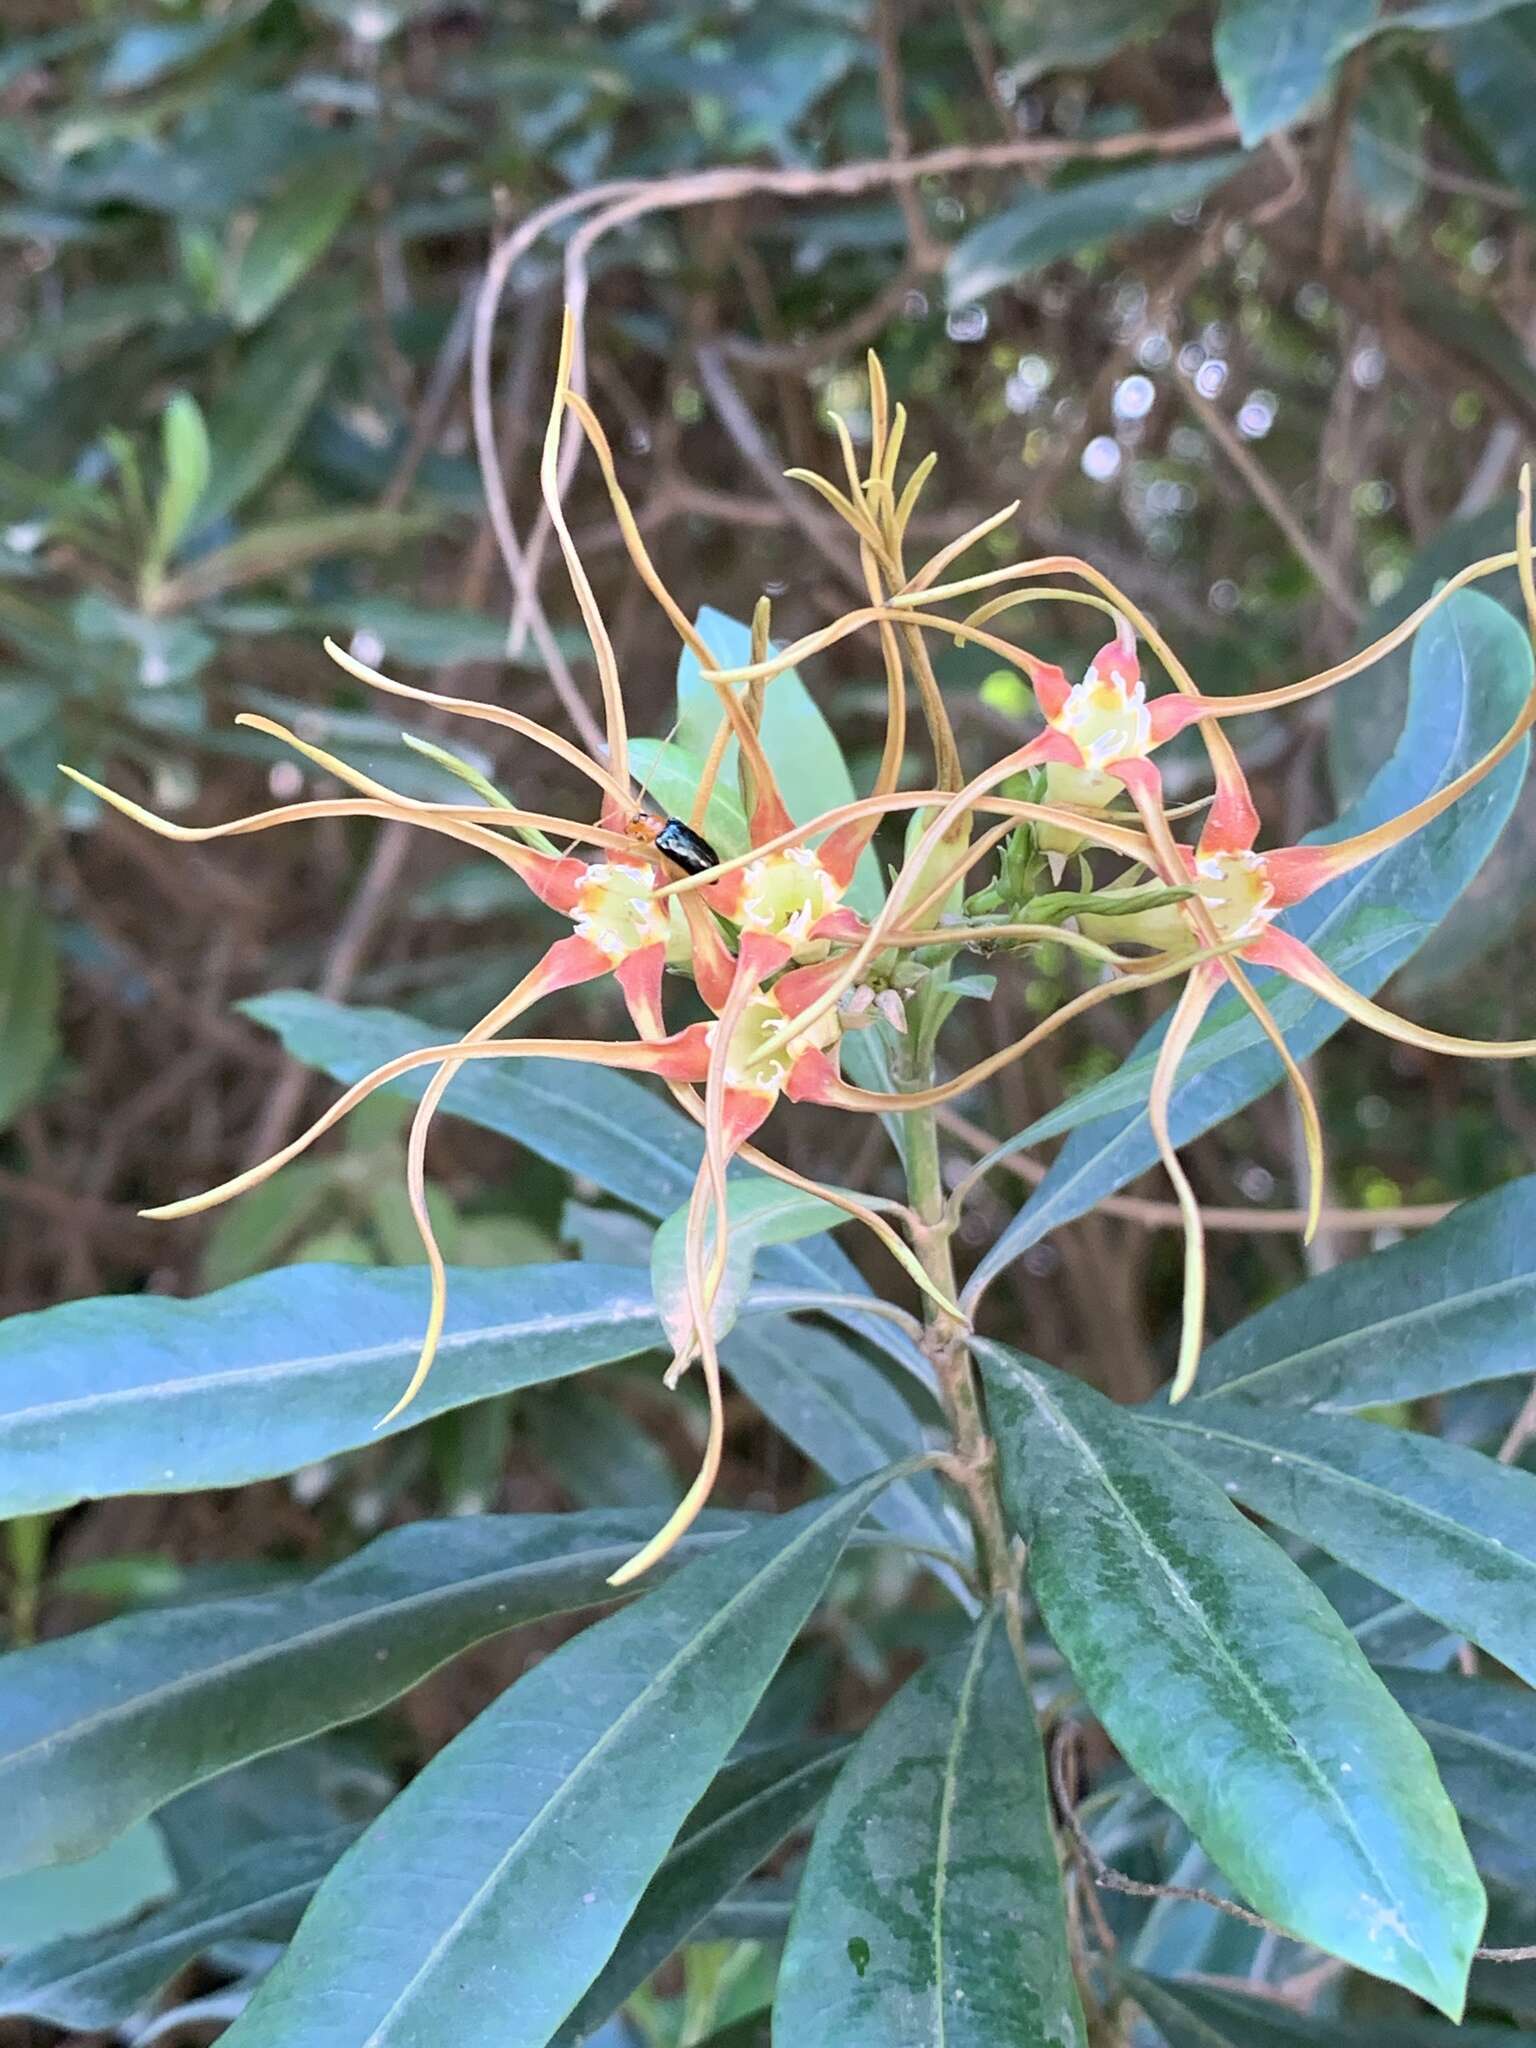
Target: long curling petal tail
<point>1289,956</point>
<point>688,1509</point>
<point>1306,1102</point>
<point>1192,1006</point>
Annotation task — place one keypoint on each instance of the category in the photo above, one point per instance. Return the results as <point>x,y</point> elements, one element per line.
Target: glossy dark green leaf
<point>1471,672</point>
<point>931,1909</point>
<point>143,1394</point>
<point>742,1819</point>
<point>101,1980</point>
<point>29,998</point>
<point>1483,1734</point>
<point>1445,1527</point>
<point>499,1882</point>
<point>1062,220</point>
<point>1210,2016</point>
<point>1232,1688</point>
<point>100,1727</point>
<point>1276,57</point>
<point>1446,1308</point>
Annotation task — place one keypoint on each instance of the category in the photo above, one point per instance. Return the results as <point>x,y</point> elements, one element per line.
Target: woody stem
<point>974,1466</point>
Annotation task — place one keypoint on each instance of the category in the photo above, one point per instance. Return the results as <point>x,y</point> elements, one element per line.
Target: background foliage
<point>1252,329</point>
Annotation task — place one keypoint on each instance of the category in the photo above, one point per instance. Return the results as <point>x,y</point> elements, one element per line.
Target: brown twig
<point>1063,1754</point>
<point>1166,1216</point>
<point>1063,1750</point>
<point>892,84</point>
<point>623,200</point>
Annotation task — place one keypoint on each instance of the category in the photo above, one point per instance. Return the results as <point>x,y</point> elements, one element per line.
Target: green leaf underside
<point>1470,674</point>
<point>1232,1688</point>
<point>143,1394</point>
<point>607,1127</point>
<point>100,1727</point>
<point>135,1872</point>
<point>499,1882</point>
<point>1275,57</point>
<point>1064,220</point>
<point>762,1212</point>
<point>92,1981</point>
<point>1209,2016</point>
<point>743,1818</point>
<point>931,1908</point>
<point>1441,1525</point>
<point>802,748</point>
<point>839,1409</point>
<point>1483,1735</point>
<point>1446,1308</point>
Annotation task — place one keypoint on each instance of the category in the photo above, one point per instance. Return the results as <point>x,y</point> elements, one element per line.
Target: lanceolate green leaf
<point>1063,220</point>
<point>1471,672</point>
<point>1209,2016</point>
<point>762,1212</point>
<point>29,998</point>
<point>262,410</point>
<point>1445,1527</point>
<point>1275,57</point>
<point>1443,1309</point>
<point>100,1727</point>
<point>742,1819</point>
<point>184,471</point>
<point>801,747</point>
<point>141,1394</point>
<point>277,550</point>
<point>602,1125</point>
<point>1483,1734</point>
<point>931,1909</point>
<point>1232,1688</point>
<point>94,1981</point>
<point>291,236</point>
<point>499,1882</point>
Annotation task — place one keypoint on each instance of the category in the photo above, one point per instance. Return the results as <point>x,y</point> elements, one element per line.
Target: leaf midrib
<point>305,1643</point>
<point>1186,1600</point>
<point>695,1646</point>
<point>333,1361</point>
<point>1335,1474</point>
<point>947,1796</point>
<point>1458,1304</point>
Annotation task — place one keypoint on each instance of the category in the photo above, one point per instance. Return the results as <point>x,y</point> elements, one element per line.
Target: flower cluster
<point>767,937</point>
